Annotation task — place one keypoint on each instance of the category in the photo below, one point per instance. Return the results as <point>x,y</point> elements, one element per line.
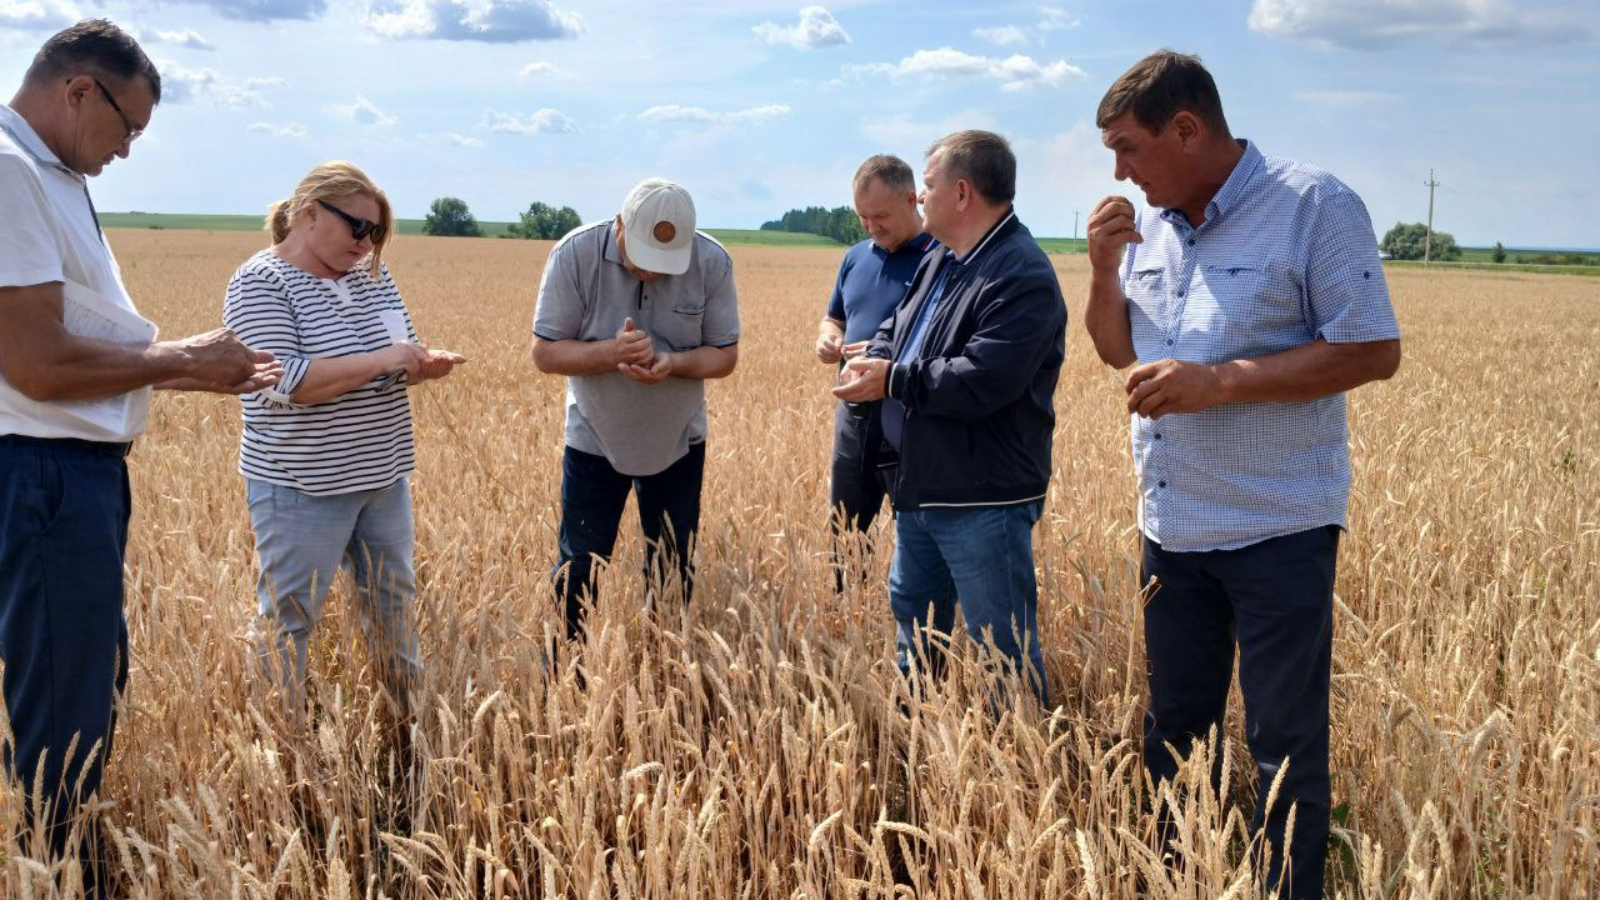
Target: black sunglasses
<point>129,132</point>
<point>359,228</point>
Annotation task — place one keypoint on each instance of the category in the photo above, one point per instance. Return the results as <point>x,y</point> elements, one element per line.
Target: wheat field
<point>752,745</point>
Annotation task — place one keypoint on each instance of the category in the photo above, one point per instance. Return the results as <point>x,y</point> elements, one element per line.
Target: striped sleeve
<point>258,310</point>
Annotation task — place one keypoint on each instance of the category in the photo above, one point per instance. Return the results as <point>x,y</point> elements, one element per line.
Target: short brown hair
<point>1159,87</point>
<point>95,47</point>
<point>983,158</point>
<point>893,171</point>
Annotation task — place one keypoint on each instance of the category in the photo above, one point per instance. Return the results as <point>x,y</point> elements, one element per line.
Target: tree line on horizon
<point>450,217</point>
<point>840,223</point>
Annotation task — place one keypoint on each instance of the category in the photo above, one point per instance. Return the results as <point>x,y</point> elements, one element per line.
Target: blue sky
<point>760,106</point>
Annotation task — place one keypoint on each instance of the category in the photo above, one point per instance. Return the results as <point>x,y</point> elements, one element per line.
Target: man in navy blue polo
<point>872,281</point>
<point>1251,298</point>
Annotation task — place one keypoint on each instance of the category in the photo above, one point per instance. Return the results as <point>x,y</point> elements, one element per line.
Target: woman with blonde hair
<point>326,452</point>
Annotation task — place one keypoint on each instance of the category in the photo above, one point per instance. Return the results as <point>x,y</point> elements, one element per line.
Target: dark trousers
<point>857,488</point>
<point>593,495</point>
<point>63,531</point>
<point>1274,600</point>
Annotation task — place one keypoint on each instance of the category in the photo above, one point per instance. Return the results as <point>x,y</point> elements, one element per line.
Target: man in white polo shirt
<point>77,364</point>
<point>637,312</point>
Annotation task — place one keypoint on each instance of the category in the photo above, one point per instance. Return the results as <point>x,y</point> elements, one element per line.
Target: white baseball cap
<point>658,227</point>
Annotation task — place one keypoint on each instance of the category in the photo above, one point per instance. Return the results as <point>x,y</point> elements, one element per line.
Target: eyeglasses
<point>359,228</point>
<point>129,132</point>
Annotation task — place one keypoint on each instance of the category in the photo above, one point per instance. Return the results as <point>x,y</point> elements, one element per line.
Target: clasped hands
<point>635,356</point>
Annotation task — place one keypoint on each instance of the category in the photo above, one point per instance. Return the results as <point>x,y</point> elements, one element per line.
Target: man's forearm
<point>1106,318</point>
<point>76,368</point>
<point>574,357</point>
<point>1308,372</point>
<point>705,362</point>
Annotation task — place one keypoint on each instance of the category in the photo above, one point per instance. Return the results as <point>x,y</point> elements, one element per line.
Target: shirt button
<point>1180,293</point>
<point>1161,484</point>
<point>1169,343</point>
<point>1191,242</point>
<point>1158,435</point>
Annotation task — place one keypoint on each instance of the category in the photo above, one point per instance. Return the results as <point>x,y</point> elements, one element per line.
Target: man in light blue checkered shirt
<point>1251,297</point>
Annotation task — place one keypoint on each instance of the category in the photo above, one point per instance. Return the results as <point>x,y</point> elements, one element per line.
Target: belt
<point>100,448</point>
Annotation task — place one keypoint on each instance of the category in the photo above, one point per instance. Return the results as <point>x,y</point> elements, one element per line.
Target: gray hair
<point>983,158</point>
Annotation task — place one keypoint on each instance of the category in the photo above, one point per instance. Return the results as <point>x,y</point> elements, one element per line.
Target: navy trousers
<point>593,495</point>
<point>1274,600</point>
<point>64,509</point>
<point>857,488</point>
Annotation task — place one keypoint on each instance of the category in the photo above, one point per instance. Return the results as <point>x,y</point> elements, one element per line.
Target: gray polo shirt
<point>586,294</point>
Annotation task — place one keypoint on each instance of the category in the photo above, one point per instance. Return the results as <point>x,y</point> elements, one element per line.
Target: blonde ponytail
<point>278,221</point>
<point>331,181</point>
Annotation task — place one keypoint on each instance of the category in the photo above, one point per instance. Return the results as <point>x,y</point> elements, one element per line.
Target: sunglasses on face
<point>130,133</point>
<point>359,228</point>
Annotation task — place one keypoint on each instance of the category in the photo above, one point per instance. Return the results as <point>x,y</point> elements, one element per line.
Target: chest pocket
<point>1259,310</point>
<point>1146,288</point>
<point>681,325</point>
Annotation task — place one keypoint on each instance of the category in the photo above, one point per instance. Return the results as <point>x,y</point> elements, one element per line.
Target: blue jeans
<point>302,542</point>
<point>64,509</point>
<point>982,559</point>
<point>1274,600</point>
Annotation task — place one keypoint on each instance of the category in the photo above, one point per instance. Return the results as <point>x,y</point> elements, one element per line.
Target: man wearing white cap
<point>637,312</point>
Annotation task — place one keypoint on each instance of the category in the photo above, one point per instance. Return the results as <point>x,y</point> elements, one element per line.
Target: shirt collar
<point>1228,195</point>
<point>917,245</point>
<point>612,253</point>
<point>26,138</point>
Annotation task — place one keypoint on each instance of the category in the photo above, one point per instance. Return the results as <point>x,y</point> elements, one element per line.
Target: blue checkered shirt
<point>1286,255</point>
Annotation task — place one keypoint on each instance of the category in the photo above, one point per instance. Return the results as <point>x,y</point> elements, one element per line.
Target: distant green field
<point>1485,266</point>
<point>179,221</point>
<point>1063,245</point>
<point>746,237</point>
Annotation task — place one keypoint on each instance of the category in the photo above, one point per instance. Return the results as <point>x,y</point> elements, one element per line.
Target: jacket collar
<point>1007,224</point>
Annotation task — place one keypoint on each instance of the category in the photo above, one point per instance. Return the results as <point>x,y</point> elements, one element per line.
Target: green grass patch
<point>203,222</point>
<point>1590,271</point>
<point>750,237</point>
<point>1063,245</point>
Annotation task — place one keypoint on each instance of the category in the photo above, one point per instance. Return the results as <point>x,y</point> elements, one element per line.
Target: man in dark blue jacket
<point>967,368</point>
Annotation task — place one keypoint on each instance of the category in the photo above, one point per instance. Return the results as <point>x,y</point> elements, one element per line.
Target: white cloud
<point>816,29</point>
<point>1053,18</point>
<point>187,38</point>
<point>451,139</point>
<point>1002,35</point>
<point>37,15</point>
<point>674,113</point>
<point>183,85</point>
<point>1369,24</point>
<point>267,10</point>
<point>1347,99</point>
<point>1014,73</point>
<point>365,112</point>
<point>287,129</point>
<point>491,21</point>
<point>542,121</point>
<point>543,71</point>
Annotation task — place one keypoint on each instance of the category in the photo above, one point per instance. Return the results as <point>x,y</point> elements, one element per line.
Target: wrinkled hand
<point>219,358</point>
<point>659,370</point>
<point>407,357</point>
<point>1111,229</point>
<point>1170,386</point>
<point>439,364</point>
<point>266,375</point>
<point>829,347</point>
<point>853,350</point>
<point>862,380</point>
<point>632,347</point>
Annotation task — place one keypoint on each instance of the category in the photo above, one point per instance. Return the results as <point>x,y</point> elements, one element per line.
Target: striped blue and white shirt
<point>358,441</point>
<point>1286,255</point>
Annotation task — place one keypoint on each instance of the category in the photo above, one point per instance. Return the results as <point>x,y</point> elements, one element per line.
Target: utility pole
<point>1427,241</point>
<point>1075,224</point>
